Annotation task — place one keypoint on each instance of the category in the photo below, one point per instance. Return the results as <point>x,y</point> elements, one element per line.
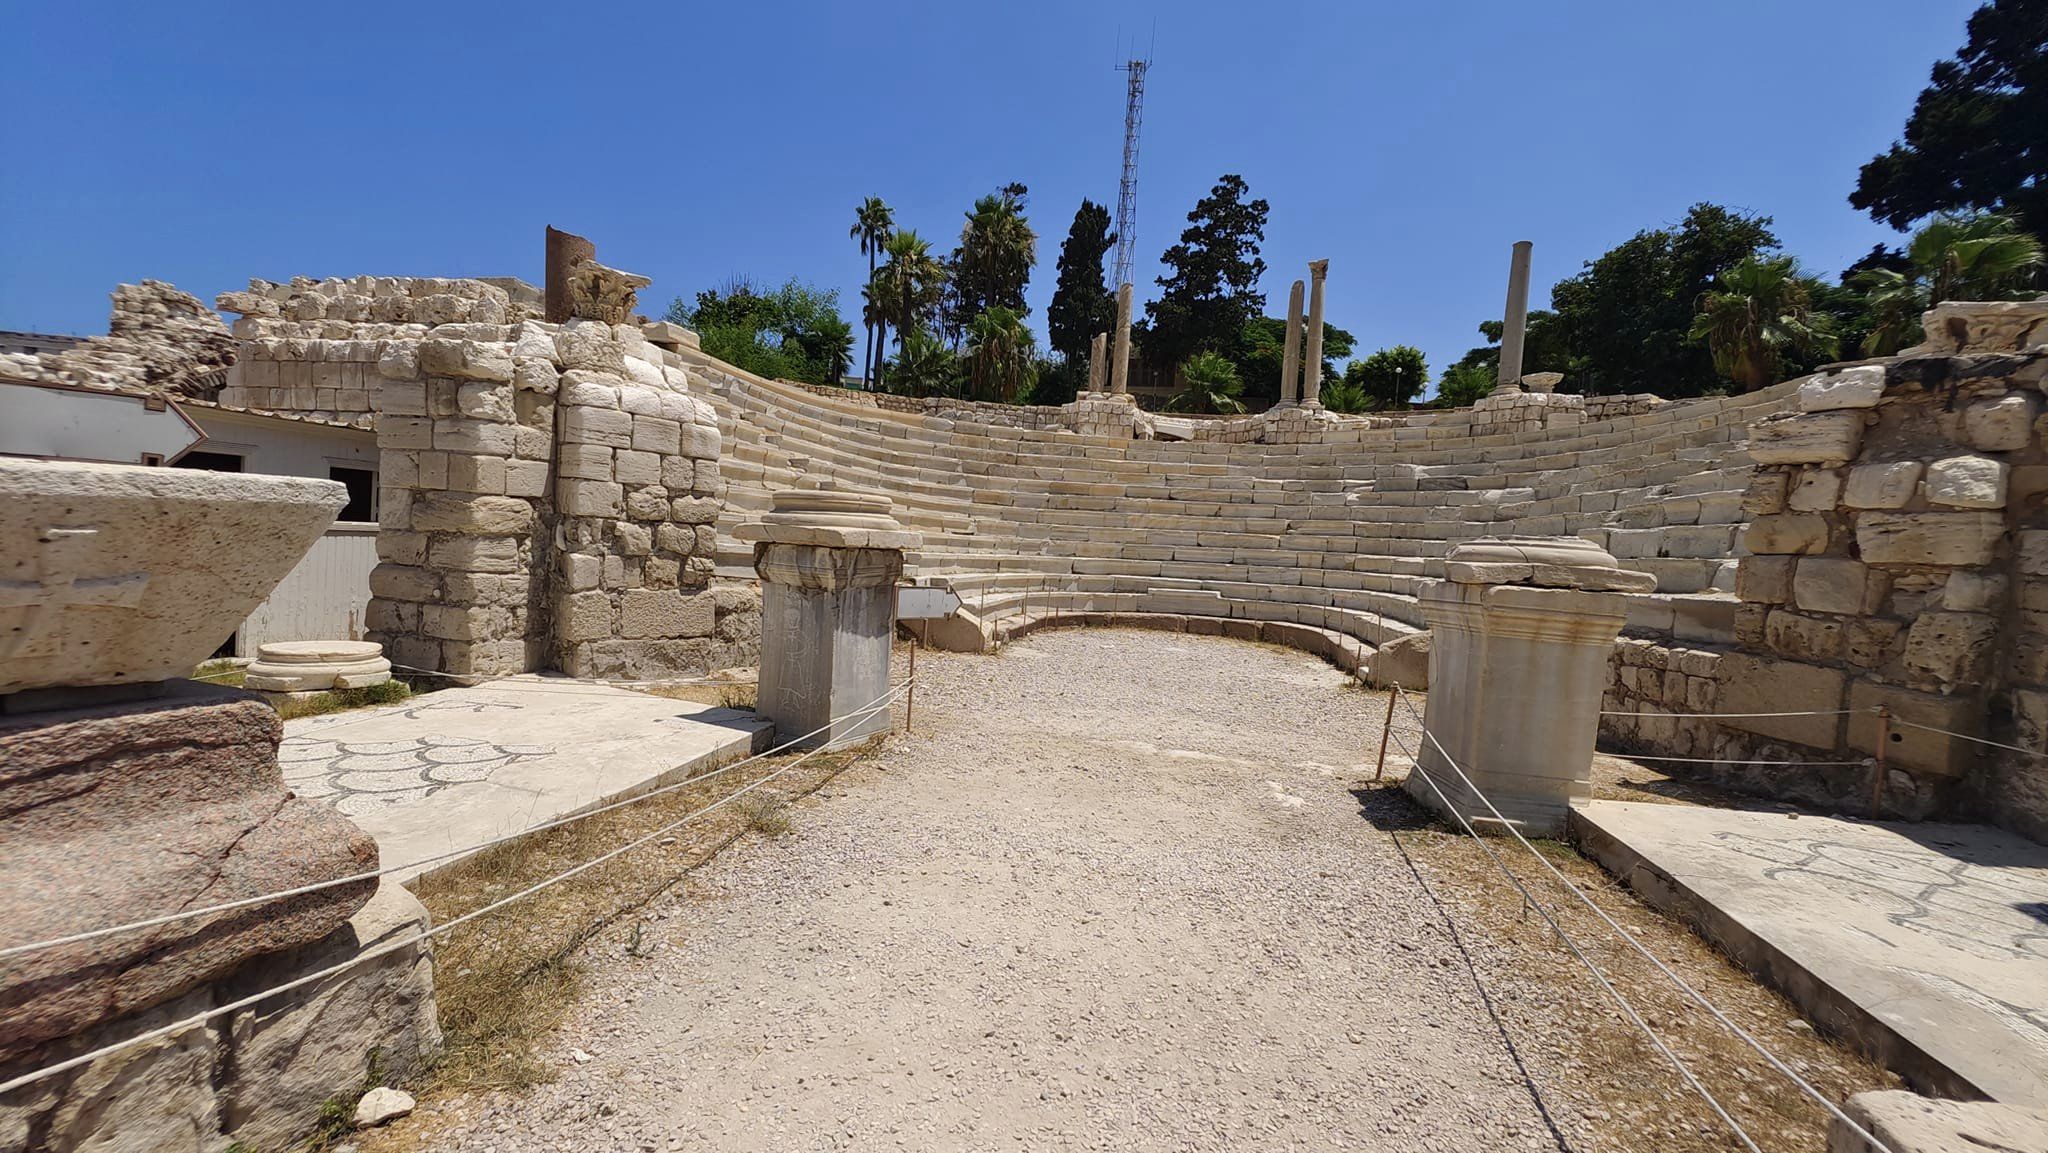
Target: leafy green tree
<point>1001,355</point>
<point>1210,290</point>
<point>1978,135</point>
<point>1758,312</point>
<point>1082,302</point>
<point>1390,378</point>
<point>993,263</point>
<point>793,332</point>
<point>873,222</point>
<point>1258,351</point>
<point>1628,317</point>
<point>1209,384</point>
<point>1464,385</point>
<point>1976,256</point>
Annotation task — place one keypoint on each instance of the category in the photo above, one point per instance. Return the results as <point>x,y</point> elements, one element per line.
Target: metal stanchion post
<point>1884,739</point>
<point>1387,730</point>
<point>910,692</point>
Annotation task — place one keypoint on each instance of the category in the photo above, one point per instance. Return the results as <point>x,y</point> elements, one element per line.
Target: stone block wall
<point>547,491</point>
<point>637,503</point>
<point>1898,557</point>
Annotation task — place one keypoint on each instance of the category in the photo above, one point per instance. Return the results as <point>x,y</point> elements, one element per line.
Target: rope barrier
<point>885,700</point>
<point>1629,938</point>
<point>1864,763</point>
<point>1898,720</point>
<point>1719,716</point>
<point>1684,1070</point>
<point>371,954</point>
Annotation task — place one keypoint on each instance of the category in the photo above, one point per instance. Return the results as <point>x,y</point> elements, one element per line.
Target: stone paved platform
<point>1927,944</point>
<point>460,766</point>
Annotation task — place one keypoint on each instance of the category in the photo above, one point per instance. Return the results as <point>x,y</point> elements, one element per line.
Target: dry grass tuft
<point>505,982</point>
<point>1567,1031</point>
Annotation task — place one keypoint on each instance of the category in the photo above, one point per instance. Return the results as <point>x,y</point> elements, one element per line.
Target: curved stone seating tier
<point>1333,536</point>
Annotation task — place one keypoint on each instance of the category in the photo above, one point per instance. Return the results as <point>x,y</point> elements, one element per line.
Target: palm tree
<point>874,312</point>
<point>1001,354</point>
<point>997,250</point>
<point>924,365</point>
<point>1762,310</point>
<point>1979,256</point>
<point>910,283</point>
<point>1892,302</point>
<point>832,345</point>
<point>873,221</point>
<point>1212,386</point>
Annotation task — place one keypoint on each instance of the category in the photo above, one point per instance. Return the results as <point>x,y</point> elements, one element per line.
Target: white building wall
<point>284,447</point>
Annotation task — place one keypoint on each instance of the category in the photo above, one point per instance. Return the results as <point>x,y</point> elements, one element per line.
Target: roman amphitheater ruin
<point>1833,591</point>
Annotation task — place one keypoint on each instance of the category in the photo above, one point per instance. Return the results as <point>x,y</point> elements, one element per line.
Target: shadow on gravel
<point>1388,808</point>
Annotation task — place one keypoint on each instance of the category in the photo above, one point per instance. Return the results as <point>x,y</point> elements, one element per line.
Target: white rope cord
<point>254,998</point>
<point>885,700</point>
<point>1684,1070</point>
<point>1898,720</point>
<point>1717,716</point>
<point>1865,762</point>
<point>1630,938</point>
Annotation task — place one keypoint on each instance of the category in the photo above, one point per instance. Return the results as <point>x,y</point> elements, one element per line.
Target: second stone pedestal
<point>829,560</point>
<point>1521,629</point>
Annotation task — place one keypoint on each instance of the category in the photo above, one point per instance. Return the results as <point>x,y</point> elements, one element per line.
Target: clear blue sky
<point>1410,143</point>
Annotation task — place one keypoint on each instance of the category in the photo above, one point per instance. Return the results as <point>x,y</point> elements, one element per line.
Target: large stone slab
<point>462,766</point>
<point>1920,943</point>
<point>1910,1123</point>
<point>120,813</point>
<point>115,574</point>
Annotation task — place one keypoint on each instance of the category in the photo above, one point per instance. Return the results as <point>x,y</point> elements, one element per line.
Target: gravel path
<point>1115,893</point>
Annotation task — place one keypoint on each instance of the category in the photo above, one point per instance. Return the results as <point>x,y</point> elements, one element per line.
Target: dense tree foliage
<point>1978,135</point>
<point>1464,385</point>
<point>1001,355</point>
<point>1759,313</point>
<point>1979,256</point>
<point>1258,350</point>
<point>1390,378</point>
<point>993,263</point>
<point>1211,286</point>
<point>1083,303</point>
<point>793,332</point>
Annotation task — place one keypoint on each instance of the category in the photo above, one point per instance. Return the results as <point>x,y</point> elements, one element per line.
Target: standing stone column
<point>565,250</point>
<point>1098,351</point>
<point>1312,364</point>
<point>1515,321</point>
<point>1120,367</point>
<point>1290,360</point>
<point>1521,629</point>
<point>829,559</point>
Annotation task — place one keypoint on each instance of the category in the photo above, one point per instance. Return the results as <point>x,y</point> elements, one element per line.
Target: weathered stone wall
<point>545,488</point>
<point>158,340</point>
<point>1898,557</point>
<point>637,500</point>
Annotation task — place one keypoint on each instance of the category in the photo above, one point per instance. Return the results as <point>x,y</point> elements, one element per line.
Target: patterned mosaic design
<point>359,777</point>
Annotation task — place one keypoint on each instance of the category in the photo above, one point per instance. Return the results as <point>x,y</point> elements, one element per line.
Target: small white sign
<point>923,603</point>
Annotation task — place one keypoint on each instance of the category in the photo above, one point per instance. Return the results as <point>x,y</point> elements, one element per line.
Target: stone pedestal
<point>126,794</point>
<point>317,666</point>
<point>1521,629</point>
<point>829,559</point>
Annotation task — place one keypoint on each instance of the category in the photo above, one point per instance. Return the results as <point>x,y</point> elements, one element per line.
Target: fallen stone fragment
<point>381,1105</point>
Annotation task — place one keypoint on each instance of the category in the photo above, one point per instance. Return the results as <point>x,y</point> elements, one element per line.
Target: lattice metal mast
<point>1127,190</point>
